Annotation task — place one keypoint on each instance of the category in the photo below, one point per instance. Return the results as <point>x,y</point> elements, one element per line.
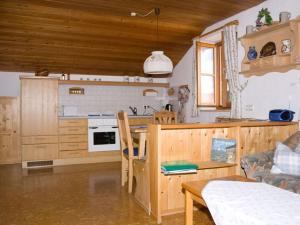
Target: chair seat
<point>135,151</point>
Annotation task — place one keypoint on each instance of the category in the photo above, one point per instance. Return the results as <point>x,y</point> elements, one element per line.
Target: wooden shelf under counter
<point>113,83</point>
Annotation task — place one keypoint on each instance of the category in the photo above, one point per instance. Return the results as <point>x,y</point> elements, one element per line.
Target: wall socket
<point>249,108</point>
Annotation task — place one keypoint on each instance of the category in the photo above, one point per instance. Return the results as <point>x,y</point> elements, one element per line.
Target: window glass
<point>207,60</point>
<point>207,89</point>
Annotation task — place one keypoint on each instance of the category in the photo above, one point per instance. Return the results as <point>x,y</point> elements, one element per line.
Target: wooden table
<point>140,133</point>
<point>193,191</point>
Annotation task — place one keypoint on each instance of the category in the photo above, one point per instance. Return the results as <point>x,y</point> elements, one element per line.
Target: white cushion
<point>286,161</point>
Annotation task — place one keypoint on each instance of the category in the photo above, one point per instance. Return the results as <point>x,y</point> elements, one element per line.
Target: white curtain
<point>195,109</point>
<point>232,73</point>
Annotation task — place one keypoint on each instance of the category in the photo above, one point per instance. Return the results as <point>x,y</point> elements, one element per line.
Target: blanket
<point>251,203</point>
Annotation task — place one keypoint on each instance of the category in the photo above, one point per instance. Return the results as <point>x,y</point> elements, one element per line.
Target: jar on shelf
<point>252,53</point>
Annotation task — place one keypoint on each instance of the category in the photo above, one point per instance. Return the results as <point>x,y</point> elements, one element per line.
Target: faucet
<point>133,110</point>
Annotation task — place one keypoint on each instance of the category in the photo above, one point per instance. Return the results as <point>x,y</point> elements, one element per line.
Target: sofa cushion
<point>286,161</point>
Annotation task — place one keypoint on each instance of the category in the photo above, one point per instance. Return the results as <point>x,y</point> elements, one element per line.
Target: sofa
<point>258,167</point>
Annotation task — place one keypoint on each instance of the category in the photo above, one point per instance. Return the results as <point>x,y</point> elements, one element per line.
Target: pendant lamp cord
<point>157,12</point>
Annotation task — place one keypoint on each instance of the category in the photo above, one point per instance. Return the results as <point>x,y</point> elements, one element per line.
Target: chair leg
<point>130,175</point>
<point>123,170</point>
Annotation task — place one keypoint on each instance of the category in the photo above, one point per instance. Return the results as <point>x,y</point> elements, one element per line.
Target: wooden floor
<point>74,195</point>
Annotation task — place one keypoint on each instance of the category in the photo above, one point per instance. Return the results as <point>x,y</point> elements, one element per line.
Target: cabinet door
<point>9,130</point>
<point>39,106</point>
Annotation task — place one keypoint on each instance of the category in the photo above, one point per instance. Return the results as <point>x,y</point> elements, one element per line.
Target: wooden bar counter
<point>192,142</point>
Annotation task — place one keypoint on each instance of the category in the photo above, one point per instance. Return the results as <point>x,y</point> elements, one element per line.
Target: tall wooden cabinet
<point>39,119</point>
<point>9,130</point>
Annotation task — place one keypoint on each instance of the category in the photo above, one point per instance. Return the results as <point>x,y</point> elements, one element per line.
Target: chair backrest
<point>124,132</point>
<point>164,117</point>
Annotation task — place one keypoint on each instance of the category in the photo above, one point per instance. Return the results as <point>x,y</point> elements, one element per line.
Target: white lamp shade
<point>158,63</point>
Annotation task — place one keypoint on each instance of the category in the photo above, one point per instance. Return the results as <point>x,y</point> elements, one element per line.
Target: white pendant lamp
<point>157,62</point>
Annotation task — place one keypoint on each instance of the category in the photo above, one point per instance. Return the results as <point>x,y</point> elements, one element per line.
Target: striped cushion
<point>286,161</point>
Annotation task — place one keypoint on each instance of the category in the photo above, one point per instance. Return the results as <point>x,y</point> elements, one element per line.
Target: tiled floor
<point>74,195</point>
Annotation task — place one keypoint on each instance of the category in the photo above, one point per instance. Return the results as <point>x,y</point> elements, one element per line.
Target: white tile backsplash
<point>110,99</point>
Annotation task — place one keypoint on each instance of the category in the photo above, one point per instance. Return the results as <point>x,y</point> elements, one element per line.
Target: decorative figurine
<point>252,53</point>
<point>286,47</point>
<point>264,13</point>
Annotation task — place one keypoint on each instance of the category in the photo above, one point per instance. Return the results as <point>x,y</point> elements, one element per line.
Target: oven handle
<point>93,128</point>
<point>114,127</point>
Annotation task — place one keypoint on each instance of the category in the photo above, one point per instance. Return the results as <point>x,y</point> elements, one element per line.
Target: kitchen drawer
<point>39,152</point>
<point>73,146</point>
<point>39,140</point>
<point>73,130</point>
<point>72,154</point>
<point>73,123</point>
<point>73,138</point>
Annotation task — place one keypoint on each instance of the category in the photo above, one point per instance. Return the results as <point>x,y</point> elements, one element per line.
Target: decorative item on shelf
<point>223,150</point>
<point>263,18</point>
<point>286,47</point>
<point>249,29</point>
<point>63,77</point>
<point>150,92</point>
<point>137,79</point>
<point>76,91</point>
<point>150,80</point>
<point>268,50</point>
<point>68,76</point>
<point>284,17</point>
<point>252,53</point>
<point>126,79</point>
<point>42,73</point>
<point>171,91</point>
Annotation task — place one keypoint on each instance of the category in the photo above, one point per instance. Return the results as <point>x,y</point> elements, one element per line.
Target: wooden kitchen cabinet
<point>39,106</point>
<point>9,130</point>
<point>39,119</point>
<point>73,138</point>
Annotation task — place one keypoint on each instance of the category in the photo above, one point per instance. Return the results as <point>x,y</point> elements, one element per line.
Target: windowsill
<point>213,109</point>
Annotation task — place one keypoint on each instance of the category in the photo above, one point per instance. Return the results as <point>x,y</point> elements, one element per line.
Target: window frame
<point>221,100</point>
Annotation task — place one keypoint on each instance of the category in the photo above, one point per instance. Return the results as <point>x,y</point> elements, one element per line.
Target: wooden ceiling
<point>99,36</point>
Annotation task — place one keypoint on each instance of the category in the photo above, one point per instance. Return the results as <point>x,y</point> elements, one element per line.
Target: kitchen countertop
<point>100,117</point>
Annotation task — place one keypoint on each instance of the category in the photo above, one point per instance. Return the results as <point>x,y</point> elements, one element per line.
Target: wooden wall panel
<point>192,144</point>
<point>259,139</point>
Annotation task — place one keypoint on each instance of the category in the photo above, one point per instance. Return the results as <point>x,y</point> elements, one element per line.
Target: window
<point>212,85</point>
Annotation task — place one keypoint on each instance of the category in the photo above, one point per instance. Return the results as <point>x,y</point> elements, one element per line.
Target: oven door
<point>103,138</point>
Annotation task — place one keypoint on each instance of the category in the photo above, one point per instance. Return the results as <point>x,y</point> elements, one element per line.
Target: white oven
<point>103,135</point>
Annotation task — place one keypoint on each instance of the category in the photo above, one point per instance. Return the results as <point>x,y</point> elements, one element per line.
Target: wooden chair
<point>129,153</point>
<point>164,117</point>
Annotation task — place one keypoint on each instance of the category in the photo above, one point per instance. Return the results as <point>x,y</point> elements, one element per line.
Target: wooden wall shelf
<point>280,62</point>
<point>113,83</point>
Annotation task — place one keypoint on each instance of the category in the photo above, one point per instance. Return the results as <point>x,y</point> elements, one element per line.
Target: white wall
<point>9,84</point>
<point>273,90</point>
<point>111,99</point>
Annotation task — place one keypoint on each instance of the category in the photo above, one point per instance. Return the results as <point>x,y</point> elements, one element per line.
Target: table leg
<point>188,208</point>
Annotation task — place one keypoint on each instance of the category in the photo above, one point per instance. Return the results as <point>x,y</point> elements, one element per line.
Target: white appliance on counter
<point>103,134</point>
